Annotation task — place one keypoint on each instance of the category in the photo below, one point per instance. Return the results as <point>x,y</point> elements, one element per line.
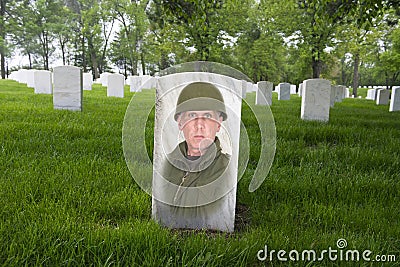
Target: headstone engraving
<point>264,93</point>
<point>68,88</point>
<point>315,103</point>
<point>284,91</point>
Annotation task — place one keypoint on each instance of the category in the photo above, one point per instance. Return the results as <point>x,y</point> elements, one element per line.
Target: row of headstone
<point>42,80</point>
<point>383,96</point>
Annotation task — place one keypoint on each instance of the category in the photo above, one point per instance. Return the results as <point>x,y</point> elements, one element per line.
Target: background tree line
<point>350,42</point>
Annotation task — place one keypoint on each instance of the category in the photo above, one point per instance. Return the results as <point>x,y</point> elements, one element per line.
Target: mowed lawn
<point>67,197</point>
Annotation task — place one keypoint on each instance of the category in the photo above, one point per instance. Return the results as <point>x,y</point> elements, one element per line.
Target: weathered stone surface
<point>43,82</point>
<point>315,102</point>
<point>395,99</point>
<point>68,88</point>
<point>115,85</point>
<point>264,93</point>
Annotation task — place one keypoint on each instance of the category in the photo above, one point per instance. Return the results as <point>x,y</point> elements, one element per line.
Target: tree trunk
<point>3,36</point>
<point>355,73</point>
<point>316,63</point>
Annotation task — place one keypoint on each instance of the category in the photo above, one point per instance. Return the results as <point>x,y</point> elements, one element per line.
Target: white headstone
<point>346,92</point>
<point>104,78</point>
<point>249,88</point>
<point>395,99</point>
<point>300,89</point>
<point>43,82</point>
<point>334,88</point>
<point>244,89</point>
<point>115,85</point>
<point>293,89</point>
<point>87,81</point>
<point>383,97</point>
<point>340,93</point>
<point>148,82</point>
<point>370,94</point>
<point>135,83</point>
<point>284,91</point>
<point>30,78</point>
<point>264,93</point>
<point>210,206</point>
<point>68,88</point>
<point>315,103</point>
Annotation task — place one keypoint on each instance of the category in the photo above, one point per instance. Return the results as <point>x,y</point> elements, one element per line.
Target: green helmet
<point>200,96</point>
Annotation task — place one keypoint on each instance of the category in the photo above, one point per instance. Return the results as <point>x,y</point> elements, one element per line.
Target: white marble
<point>115,85</point>
<point>340,93</point>
<point>334,88</point>
<point>371,94</point>
<point>293,89</point>
<point>300,89</point>
<point>346,92</point>
<point>395,99</point>
<point>264,93</point>
<point>382,97</point>
<point>30,78</point>
<point>104,78</point>
<point>315,103</point>
<point>249,87</point>
<point>68,88</point>
<point>43,82</point>
<point>87,81</point>
<point>244,89</point>
<point>167,137</point>
<point>284,91</point>
<point>148,82</point>
<point>134,83</point>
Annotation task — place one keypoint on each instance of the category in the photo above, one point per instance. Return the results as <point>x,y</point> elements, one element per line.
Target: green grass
<point>68,199</point>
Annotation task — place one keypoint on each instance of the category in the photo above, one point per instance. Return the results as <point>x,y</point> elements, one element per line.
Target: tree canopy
<point>350,42</point>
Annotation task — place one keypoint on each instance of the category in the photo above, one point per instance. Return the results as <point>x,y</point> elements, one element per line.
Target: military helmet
<point>200,96</point>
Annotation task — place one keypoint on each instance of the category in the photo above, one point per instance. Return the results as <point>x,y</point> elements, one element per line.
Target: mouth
<point>198,136</point>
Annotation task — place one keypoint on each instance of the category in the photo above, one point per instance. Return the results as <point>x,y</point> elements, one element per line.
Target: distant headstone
<point>300,89</point>
<point>383,97</point>
<point>340,93</point>
<point>315,103</point>
<point>284,91</point>
<point>370,94</point>
<point>42,82</point>
<point>68,88</point>
<point>244,89</point>
<point>293,89</point>
<point>30,78</point>
<point>376,92</point>
<point>148,82</point>
<point>346,92</point>
<point>134,83</point>
<point>395,99</point>
<point>115,85</point>
<point>104,78</point>
<point>87,81</point>
<point>334,88</point>
<point>264,93</point>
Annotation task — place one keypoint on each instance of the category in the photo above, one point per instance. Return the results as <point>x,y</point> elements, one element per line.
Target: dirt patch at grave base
<point>242,221</point>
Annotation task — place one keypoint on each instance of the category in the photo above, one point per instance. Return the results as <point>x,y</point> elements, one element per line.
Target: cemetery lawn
<point>68,199</point>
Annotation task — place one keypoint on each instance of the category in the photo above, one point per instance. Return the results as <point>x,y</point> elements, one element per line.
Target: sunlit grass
<point>68,198</point>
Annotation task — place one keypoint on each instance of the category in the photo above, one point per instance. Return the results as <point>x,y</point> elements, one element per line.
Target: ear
<point>220,119</point>
<point>180,124</point>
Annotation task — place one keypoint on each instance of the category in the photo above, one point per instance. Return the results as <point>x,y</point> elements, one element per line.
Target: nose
<point>199,123</point>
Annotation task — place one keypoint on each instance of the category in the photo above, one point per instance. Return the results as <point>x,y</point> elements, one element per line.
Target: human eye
<point>208,116</point>
<point>192,115</point>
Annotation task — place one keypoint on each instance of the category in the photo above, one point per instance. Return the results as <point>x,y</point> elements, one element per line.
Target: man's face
<point>199,129</point>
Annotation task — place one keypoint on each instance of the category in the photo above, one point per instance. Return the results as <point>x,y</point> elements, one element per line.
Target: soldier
<point>198,161</point>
